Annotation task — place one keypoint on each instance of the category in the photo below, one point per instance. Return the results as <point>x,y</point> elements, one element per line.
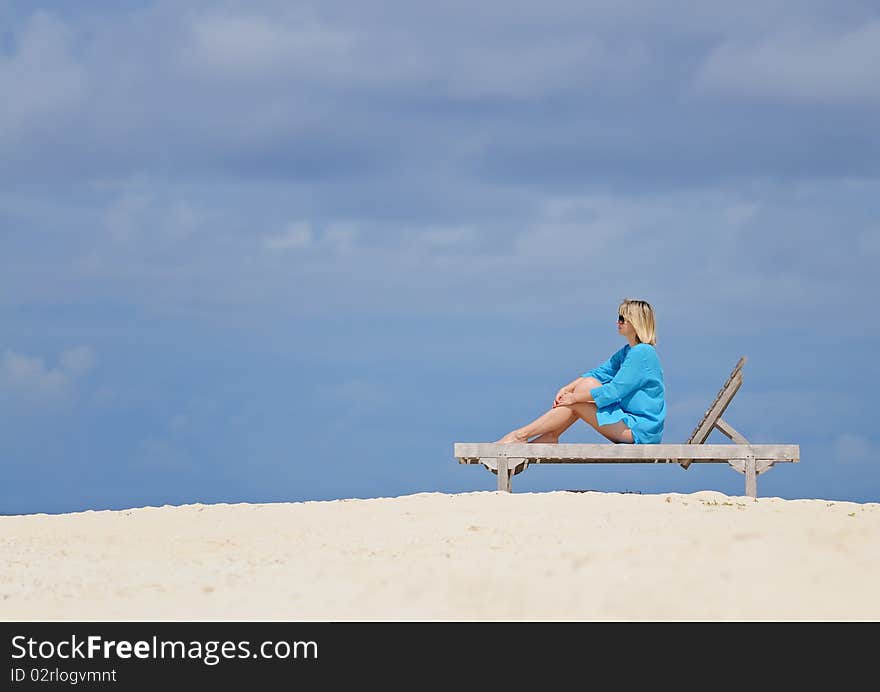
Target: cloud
<point>708,251</point>
<point>76,362</point>
<point>144,214</point>
<point>124,219</point>
<point>552,94</point>
<point>798,64</point>
<point>27,380</point>
<point>850,448</point>
<point>297,236</point>
<point>421,176</point>
<point>336,237</point>
<point>572,229</point>
<point>341,236</point>
<point>250,45</point>
<point>40,80</point>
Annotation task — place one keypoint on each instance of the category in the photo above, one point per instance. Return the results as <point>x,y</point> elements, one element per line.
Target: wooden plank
<point>518,465</point>
<point>751,478</point>
<point>503,475</point>
<point>731,432</point>
<point>514,464</point>
<point>472,452</point>
<point>704,427</point>
<point>762,465</point>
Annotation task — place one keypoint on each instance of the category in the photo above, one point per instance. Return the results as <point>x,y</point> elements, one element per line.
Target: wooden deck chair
<point>507,460</point>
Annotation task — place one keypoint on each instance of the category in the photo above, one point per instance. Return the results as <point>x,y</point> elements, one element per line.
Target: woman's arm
<point>629,377</point>
<point>605,372</point>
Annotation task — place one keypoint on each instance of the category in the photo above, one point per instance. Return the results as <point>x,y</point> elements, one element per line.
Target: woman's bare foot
<point>512,438</point>
<point>548,438</point>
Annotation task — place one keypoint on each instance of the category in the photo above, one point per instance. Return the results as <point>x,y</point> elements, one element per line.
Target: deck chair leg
<point>751,471</point>
<point>503,475</point>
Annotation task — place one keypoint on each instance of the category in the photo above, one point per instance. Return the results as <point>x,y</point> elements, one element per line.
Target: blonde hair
<point>640,315</point>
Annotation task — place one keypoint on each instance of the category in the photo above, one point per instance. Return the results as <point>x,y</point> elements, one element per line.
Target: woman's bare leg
<point>616,432</point>
<point>553,436</point>
<point>585,384</point>
<point>554,419</point>
<point>557,420</point>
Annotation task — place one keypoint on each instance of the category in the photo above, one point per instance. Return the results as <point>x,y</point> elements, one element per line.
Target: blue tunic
<point>632,391</point>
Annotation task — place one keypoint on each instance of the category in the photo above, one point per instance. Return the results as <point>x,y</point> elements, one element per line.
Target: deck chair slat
<point>722,399</point>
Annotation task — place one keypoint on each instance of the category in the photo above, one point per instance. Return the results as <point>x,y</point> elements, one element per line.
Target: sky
<point>283,251</point>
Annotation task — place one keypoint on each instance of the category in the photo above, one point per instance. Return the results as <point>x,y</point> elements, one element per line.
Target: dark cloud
<point>640,94</point>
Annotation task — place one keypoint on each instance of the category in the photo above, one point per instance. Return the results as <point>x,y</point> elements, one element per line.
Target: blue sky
<point>280,251</point>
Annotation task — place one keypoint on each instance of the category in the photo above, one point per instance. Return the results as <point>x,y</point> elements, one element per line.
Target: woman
<point>624,398</point>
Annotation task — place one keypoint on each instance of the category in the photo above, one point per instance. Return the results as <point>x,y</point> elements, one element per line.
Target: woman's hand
<point>562,391</point>
<point>564,398</point>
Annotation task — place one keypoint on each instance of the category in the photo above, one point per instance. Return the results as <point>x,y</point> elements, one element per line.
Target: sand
<point>466,557</point>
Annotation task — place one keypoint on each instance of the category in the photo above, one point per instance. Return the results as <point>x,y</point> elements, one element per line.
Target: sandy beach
<point>432,556</point>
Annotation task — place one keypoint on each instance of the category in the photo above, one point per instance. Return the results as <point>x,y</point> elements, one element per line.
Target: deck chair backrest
<point>719,406</point>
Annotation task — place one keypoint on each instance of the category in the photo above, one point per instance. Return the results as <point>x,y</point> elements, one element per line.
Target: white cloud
<point>336,237</point>
<point>853,449</point>
<point>141,215</point>
<point>124,217</point>
<point>27,379</point>
<point>493,54</point>
<point>297,236</point>
<point>797,64</point>
<point>29,376</point>
<point>249,44</point>
<point>341,237</point>
<point>183,220</point>
<point>40,79</point>
<point>77,361</point>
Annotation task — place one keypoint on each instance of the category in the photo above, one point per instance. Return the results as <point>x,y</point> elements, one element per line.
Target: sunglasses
<point>620,319</point>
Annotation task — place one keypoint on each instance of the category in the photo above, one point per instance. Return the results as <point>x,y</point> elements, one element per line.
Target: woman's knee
<point>587,383</point>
